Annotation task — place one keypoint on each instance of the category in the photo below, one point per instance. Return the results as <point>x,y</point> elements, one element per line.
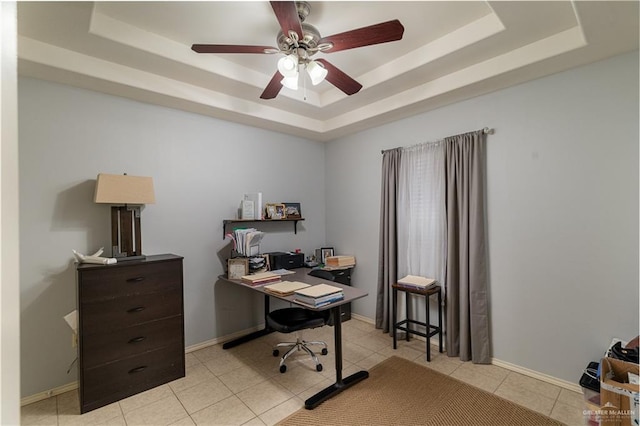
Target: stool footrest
<point>433,330</point>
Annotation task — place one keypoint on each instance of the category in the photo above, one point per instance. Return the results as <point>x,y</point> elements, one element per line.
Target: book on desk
<point>285,288</point>
<point>260,278</point>
<point>318,295</point>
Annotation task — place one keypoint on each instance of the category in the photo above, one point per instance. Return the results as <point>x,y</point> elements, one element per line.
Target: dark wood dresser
<point>130,328</point>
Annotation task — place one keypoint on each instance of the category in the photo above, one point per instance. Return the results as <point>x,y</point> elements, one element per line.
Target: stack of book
<point>285,288</point>
<point>318,295</point>
<point>260,278</point>
<point>417,282</point>
<point>340,261</point>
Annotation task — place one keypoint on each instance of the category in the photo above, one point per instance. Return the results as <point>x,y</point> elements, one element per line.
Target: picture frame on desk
<point>324,253</point>
<point>293,211</point>
<point>237,267</point>
<point>275,211</point>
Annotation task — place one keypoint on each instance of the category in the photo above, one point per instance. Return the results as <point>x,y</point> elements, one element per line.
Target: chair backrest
<point>321,273</point>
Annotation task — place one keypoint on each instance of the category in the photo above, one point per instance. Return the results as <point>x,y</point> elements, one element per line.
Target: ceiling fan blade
<point>273,88</point>
<point>287,14</point>
<point>339,79</point>
<point>231,48</point>
<point>366,36</point>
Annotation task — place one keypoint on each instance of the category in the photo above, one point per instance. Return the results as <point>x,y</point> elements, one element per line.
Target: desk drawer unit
<point>130,327</point>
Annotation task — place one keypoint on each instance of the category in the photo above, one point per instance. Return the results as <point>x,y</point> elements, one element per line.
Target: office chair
<point>289,320</point>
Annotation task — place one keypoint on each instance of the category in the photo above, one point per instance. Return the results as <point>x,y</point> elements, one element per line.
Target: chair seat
<point>289,320</point>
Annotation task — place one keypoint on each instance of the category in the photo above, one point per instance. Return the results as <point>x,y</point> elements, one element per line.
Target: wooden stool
<point>431,330</point>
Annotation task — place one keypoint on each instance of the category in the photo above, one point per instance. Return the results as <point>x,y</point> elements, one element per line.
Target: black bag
<point>624,354</point>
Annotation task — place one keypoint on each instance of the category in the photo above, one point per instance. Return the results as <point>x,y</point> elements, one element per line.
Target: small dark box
<point>282,260</point>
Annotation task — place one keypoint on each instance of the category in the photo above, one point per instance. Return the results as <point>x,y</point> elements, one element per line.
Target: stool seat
<point>405,325</point>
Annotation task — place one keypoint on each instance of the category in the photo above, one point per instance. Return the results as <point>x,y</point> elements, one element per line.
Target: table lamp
<point>127,194</point>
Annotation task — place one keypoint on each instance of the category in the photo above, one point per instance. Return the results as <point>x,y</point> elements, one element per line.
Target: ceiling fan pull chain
<point>304,84</point>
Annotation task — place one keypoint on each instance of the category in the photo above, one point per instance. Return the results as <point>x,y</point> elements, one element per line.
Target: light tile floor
<point>243,386</point>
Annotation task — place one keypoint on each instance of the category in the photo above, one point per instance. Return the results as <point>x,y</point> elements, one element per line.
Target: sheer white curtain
<point>422,221</point>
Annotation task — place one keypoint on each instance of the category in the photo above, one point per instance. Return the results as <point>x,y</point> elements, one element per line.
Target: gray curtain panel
<point>466,270</point>
<point>388,252</point>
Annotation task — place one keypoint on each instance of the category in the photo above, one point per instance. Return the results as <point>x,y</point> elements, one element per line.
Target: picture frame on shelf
<point>293,211</point>
<point>237,267</point>
<point>275,211</point>
<point>326,252</point>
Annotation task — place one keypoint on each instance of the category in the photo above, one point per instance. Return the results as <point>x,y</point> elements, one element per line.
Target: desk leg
<point>407,297</point>
<point>440,318</point>
<point>340,384</point>
<point>394,317</point>
<point>428,322</point>
<point>251,336</point>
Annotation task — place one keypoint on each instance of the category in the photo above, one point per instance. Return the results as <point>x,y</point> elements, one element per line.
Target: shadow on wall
<point>231,299</point>
<point>74,210</point>
<point>45,338</point>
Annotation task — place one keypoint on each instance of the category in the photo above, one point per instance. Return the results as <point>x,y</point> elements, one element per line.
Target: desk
<point>350,294</point>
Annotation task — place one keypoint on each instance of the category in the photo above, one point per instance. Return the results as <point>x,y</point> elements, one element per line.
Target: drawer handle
<point>137,339</point>
<point>135,280</point>
<point>138,369</point>
<point>136,309</point>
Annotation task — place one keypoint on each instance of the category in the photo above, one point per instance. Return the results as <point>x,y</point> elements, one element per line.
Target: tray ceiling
<point>451,51</point>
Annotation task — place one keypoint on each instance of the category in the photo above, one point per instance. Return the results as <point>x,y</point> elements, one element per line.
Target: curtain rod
<point>486,131</point>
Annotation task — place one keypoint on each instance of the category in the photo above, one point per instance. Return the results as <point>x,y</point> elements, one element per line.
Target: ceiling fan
<point>299,41</point>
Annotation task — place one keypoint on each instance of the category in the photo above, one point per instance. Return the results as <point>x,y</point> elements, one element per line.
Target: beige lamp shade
<point>124,189</point>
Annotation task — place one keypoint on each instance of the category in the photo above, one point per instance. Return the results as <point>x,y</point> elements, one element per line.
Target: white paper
<point>72,320</point>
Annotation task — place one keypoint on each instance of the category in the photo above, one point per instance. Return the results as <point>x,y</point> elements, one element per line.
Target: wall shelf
<point>226,222</point>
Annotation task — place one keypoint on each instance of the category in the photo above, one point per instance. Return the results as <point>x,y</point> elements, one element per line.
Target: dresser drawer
<point>100,348</point>
<point>131,375</point>
<point>139,278</point>
<point>114,314</point>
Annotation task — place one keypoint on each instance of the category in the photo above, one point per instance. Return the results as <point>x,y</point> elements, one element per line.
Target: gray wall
<point>562,186</point>
<point>201,168</point>
<point>562,205</point>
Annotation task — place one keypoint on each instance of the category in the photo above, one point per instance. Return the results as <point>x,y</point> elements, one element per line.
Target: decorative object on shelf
<point>246,210</point>
<point>276,211</point>
<point>256,198</point>
<point>128,193</point>
<point>325,252</point>
<point>237,267</point>
<point>292,210</point>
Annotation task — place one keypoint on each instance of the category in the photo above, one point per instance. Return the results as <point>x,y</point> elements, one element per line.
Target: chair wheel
<point>283,368</point>
<point>276,352</point>
<point>319,367</point>
<point>324,351</point>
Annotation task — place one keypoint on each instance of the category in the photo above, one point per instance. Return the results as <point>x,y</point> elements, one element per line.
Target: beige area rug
<point>401,392</point>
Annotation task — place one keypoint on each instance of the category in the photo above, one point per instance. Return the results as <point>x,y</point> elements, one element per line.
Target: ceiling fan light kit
<point>298,41</point>
<point>288,66</point>
<point>317,72</point>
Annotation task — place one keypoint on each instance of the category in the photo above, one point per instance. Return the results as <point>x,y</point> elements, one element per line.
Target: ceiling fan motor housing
<point>309,41</point>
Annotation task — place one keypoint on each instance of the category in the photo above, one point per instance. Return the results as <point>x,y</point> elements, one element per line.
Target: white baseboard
<point>536,375</point>
<point>48,394</point>
<point>192,348</point>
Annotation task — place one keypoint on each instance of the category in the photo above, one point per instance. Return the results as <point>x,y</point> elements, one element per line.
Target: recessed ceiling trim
<point>56,57</point>
<point>120,32</point>
<point>543,49</point>
<point>467,35</point>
